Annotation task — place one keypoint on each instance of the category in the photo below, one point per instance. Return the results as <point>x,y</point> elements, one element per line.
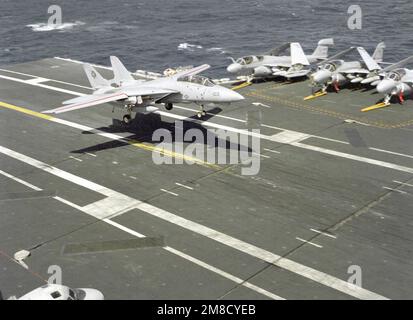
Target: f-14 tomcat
<point>141,95</point>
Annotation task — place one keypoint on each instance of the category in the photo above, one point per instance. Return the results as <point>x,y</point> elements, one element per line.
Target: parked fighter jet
<point>141,96</point>
<point>391,81</point>
<point>273,64</point>
<point>337,72</point>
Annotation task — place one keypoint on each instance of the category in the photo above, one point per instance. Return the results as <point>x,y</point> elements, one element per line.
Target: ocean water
<point>156,34</point>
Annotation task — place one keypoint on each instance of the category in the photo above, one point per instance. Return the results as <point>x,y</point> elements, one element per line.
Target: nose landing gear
<point>201,112</point>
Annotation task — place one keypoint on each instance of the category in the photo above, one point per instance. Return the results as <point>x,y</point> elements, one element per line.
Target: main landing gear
<point>127,119</point>
<point>169,106</point>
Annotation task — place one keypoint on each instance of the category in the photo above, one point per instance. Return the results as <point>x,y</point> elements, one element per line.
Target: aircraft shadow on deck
<point>142,128</point>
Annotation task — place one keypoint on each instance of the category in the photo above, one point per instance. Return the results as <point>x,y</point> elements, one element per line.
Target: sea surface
<point>156,34</point>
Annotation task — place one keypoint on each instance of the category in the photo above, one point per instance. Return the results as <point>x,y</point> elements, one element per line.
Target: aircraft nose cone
<point>233,68</point>
<point>386,86</point>
<point>235,96</point>
<point>321,76</point>
<point>231,96</point>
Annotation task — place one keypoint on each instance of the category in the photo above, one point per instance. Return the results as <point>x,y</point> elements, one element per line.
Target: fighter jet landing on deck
<point>142,96</point>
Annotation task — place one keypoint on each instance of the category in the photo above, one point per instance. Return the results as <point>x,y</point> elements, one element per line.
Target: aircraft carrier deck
<point>80,191</point>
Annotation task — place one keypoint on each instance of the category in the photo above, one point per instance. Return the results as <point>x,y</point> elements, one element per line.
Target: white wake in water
<point>188,46</point>
<point>192,47</point>
<point>41,27</point>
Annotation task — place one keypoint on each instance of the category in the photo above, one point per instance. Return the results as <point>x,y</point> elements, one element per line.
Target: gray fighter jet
<point>275,64</point>
<point>337,72</point>
<point>391,81</point>
<point>141,96</point>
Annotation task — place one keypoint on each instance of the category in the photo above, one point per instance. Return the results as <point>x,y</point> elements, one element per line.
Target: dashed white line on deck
<point>309,242</point>
<point>324,233</point>
<point>170,192</point>
<point>270,150</point>
<point>395,190</point>
<point>403,183</point>
<point>184,186</point>
<point>74,158</point>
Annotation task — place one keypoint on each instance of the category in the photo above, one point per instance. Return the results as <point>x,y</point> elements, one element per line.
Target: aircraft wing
<point>277,51</point>
<point>350,71</point>
<point>191,72</point>
<point>371,64</point>
<point>89,101</point>
<point>147,91</point>
<point>399,64</point>
<point>408,79</point>
<point>96,99</point>
<point>336,56</point>
<point>155,93</point>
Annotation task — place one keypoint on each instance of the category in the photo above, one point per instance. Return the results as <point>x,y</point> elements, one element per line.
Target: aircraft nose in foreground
<point>321,76</point>
<point>233,68</point>
<point>386,86</point>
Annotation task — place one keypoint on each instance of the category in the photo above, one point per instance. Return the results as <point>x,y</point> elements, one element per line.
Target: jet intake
<point>262,71</point>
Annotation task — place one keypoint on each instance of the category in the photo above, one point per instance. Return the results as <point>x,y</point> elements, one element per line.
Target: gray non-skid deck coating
<point>297,189</point>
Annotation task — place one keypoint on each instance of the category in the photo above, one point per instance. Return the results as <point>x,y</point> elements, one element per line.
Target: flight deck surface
<point>81,191</point>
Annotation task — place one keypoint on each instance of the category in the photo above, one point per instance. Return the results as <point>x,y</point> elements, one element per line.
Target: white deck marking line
<point>183,108</point>
<point>46,79</point>
<point>324,233</point>
<point>74,158</point>
<point>354,157</point>
<point>403,183</point>
<point>132,177</point>
<point>37,80</point>
<point>167,248</point>
<point>259,104</point>
<point>43,86</point>
<point>272,258</point>
<point>184,186</point>
<point>225,274</point>
<point>263,125</point>
<point>261,155</point>
<point>391,152</point>
<point>395,190</point>
<point>200,263</point>
<point>91,154</point>
<point>270,150</point>
<point>8,175</point>
<point>242,246</point>
<point>288,137</point>
<point>172,193</point>
<point>309,242</point>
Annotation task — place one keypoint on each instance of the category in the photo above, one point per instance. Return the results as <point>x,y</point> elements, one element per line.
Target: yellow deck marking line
<point>242,85</point>
<point>26,111</point>
<point>315,95</point>
<point>131,142</point>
